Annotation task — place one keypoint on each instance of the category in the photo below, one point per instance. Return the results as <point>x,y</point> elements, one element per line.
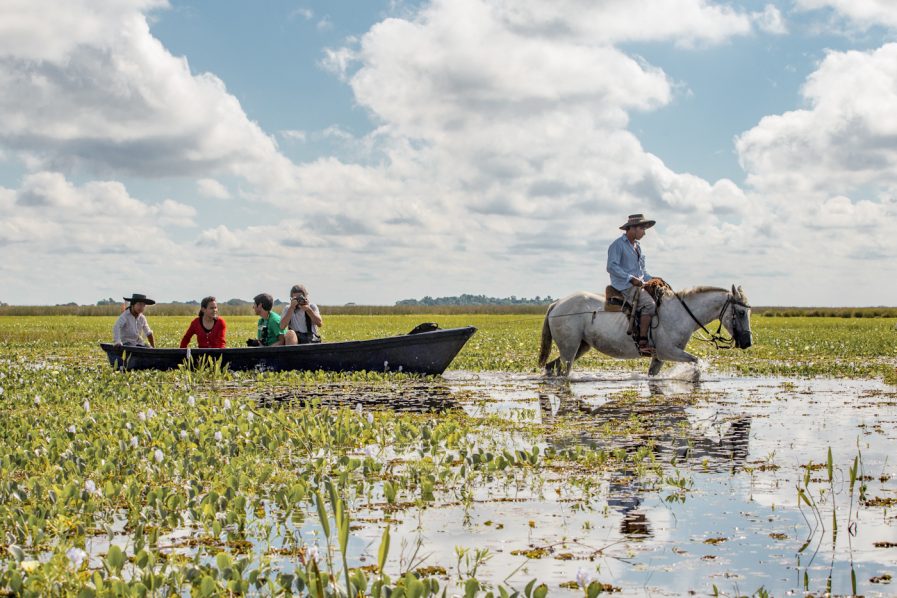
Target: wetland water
<point>725,511</point>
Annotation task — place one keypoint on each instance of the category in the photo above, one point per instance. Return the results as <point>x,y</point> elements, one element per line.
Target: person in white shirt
<point>302,317</point>
<point>131,327</point>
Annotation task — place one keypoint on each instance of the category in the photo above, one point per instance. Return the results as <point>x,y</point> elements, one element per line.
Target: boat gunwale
<point>419,338</point>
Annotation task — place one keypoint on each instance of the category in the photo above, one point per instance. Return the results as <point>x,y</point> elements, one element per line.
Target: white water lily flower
<point>90,487</point>
<point>134,442</point>
<point>71,429</point>
<point>37,399</point>
<point>30,566</point>
<point>76,557</point>
<point>358,409</point>
<point>191,401</point>
<point>150,413</point>
<point>370,451</point>
<point>183,434</point>
<point>141,416</point>
<point>1,390</point>
<point>370,418</point>
<point>128,425</point>
<point>227,403</point>
<point>218,436</point>
<point>86,405</point>
<point>250,416</point>
<point>312,553</point>
<point>158,455</point>
<point>196,432</point>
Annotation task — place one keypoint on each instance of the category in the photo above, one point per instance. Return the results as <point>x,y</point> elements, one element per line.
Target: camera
<point>301,299</point>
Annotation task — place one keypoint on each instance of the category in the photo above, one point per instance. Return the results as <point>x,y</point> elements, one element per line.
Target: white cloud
<point>305,13</point>
<point>771,20</point>
<point>293,134</point>
<point>91,88</point>
<point>865,13</point>
<point>501,156</point>
<point>174,213</point>
<point>684,22</point>
<point>212,189</point>
<point>844,140</point>
<point>95,217</point>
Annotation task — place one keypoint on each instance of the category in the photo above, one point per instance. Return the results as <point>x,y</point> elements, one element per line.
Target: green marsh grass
<point>109,465</point>
<point>799,346</point>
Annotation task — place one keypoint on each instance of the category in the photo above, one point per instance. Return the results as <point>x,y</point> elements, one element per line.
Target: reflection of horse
<point>578,322</point>
<point>673,433</point>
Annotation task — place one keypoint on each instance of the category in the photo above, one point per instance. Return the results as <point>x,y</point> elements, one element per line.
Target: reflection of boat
<point>422,353</point>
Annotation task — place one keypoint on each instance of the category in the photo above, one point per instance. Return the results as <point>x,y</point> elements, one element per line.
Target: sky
<point>377,150</point>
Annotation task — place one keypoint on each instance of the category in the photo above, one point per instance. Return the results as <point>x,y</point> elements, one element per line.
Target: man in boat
<point>131,328</point>
<point>269,332</point>
<point>301,316</point>
<point>626,266</point>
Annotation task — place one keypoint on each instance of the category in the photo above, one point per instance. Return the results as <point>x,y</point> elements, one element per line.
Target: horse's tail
<point>545,350</point>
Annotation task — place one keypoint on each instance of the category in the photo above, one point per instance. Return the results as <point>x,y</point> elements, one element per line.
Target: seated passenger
<point>208,328</point>
<point>269,333</point>
<point>131,328</point>
<point>301,316</point>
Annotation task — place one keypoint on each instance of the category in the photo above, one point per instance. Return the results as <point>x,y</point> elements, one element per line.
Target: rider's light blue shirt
<point>623,262</point>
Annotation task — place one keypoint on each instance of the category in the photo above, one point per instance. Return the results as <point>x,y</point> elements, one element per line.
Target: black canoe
<point>421,353</point>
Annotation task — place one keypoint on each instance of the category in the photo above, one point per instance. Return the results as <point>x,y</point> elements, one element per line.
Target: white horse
<point>578,322</point>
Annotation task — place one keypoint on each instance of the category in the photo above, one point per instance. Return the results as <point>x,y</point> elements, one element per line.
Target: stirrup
<point>644,349</point>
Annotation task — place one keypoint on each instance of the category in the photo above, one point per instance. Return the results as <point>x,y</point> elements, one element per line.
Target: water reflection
<point>425,395</point>
<point>663,423</point>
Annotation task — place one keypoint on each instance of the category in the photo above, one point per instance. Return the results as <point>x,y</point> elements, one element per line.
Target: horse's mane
<point>701,289</point>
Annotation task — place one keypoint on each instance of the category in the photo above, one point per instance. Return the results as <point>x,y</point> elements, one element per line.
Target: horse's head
<point>737,318</point>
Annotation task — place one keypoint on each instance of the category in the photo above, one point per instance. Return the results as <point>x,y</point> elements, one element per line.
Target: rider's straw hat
<point>636,220</point>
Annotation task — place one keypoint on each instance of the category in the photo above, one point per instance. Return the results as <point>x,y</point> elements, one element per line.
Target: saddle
<point>614,301</point>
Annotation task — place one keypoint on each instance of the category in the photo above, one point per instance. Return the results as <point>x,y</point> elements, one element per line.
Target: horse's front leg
<point>676,354</point>
<point>655,366</point>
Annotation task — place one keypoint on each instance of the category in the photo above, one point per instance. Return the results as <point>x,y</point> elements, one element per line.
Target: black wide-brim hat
<point>638,220</point>
<point>139,298</point>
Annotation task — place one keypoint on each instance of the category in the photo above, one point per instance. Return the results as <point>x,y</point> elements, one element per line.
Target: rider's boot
<point>644,327</point>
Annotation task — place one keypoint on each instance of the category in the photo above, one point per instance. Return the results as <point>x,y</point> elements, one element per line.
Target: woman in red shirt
<point>208,327</point>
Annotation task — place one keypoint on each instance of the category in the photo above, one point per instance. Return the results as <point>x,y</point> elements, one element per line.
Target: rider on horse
<point>626,266</point>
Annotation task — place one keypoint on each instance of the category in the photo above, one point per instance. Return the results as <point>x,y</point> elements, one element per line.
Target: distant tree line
<point>467,299</point>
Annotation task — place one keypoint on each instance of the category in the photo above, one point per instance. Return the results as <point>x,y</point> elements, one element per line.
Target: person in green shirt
<point>269,332</point>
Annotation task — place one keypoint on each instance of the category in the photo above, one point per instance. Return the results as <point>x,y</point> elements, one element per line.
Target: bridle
<point>717,339</point>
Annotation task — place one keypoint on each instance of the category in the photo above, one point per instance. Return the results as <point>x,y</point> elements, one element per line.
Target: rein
<point>717,339</point>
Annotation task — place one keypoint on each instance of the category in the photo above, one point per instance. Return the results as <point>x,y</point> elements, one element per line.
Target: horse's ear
<point>734,292</point>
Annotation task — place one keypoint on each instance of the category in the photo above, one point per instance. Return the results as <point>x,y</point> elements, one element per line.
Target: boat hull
<point>422,353</point>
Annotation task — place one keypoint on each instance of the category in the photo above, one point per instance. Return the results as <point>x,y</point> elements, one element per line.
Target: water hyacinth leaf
<point>528,590</point>
<point>17,553</point>
<point>115,560</point>
<point>383,552</point>
<point>541,591</point>
<point>594,589</point>
<point>471,587</point>
<point>322,513</point>
<point>414,588</point>
<point>223,560</point>
<point>208,586</point>
<point>389,491</point>
<point>829,466</point>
